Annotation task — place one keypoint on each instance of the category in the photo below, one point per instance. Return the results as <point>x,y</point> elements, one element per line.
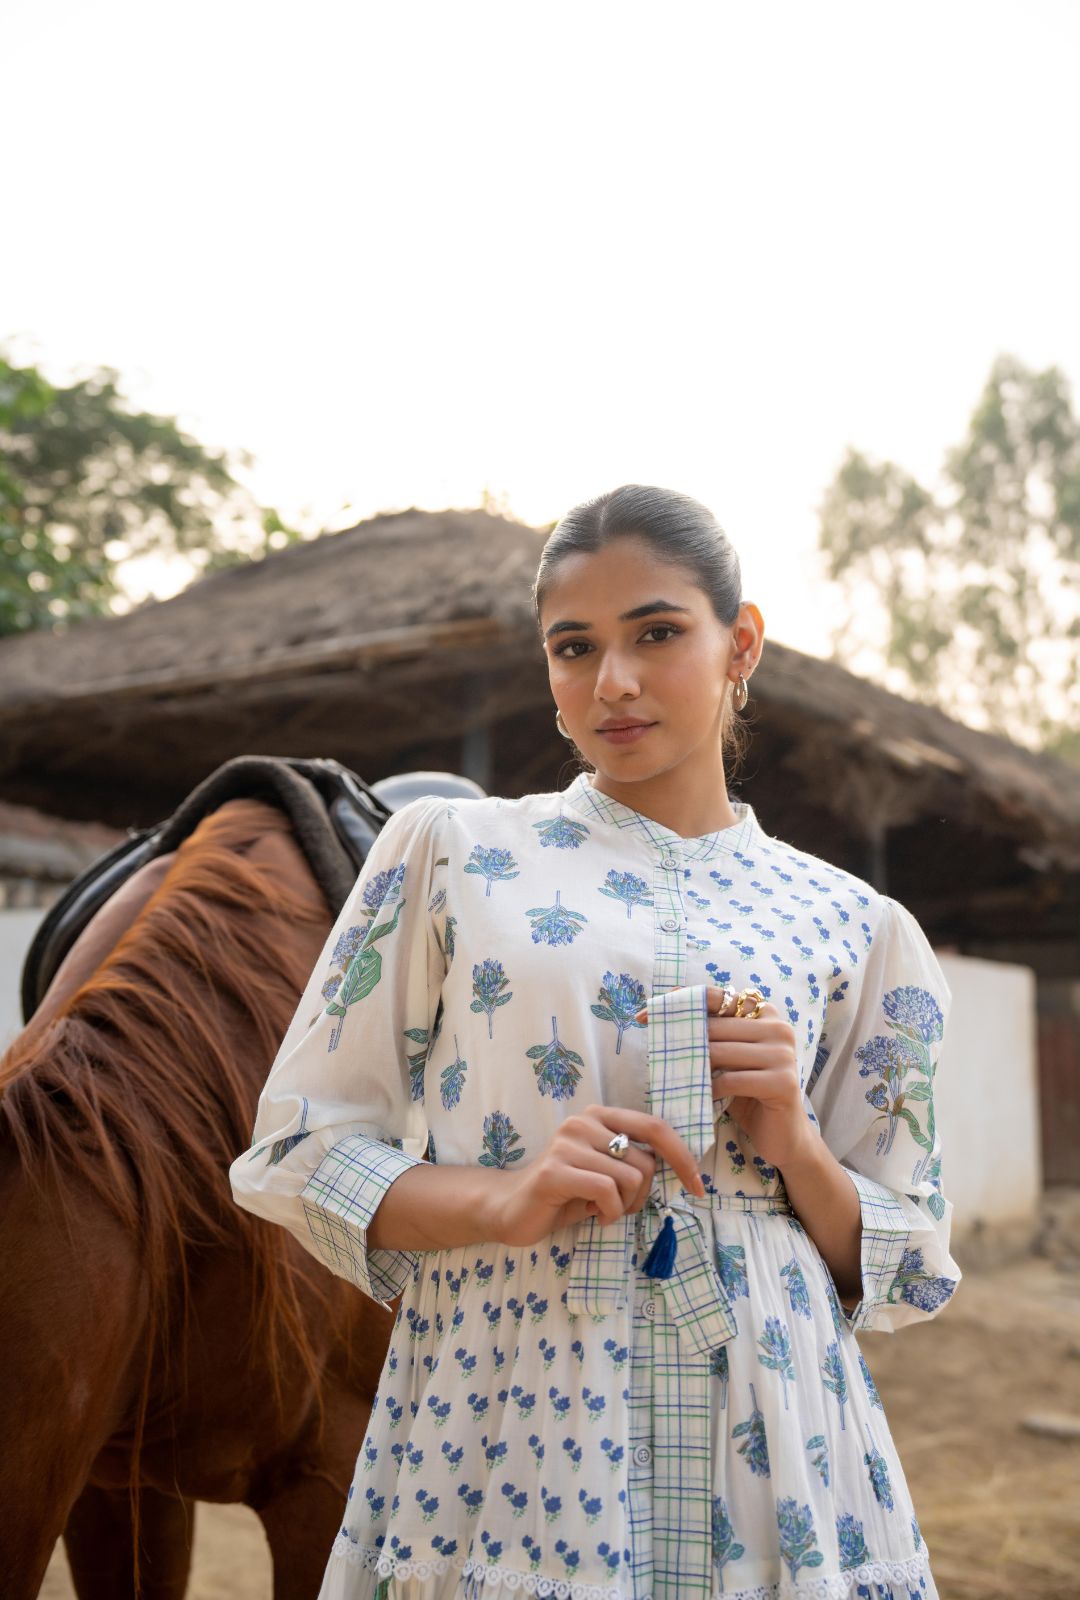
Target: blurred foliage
<point>977,588</point>
<point>86,482</point>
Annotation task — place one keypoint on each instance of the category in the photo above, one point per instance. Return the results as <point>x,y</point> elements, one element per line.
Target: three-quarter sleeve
<point>341,1114</point>
<point>873,1095</point>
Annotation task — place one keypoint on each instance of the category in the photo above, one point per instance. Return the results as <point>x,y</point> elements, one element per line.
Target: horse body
<point>158,1345</point>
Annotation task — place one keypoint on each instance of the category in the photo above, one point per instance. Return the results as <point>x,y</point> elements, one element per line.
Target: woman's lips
<point>626,735</point>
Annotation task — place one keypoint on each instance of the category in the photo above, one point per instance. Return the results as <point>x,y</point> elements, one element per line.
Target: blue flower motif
<point>627,887</point>
<point>620,999</point>
<point>496,865</point>
<point>914,1012</point>
<point>381,887</point>
<point>489,981</point>
<point>348,944</point>
<point>592,1505</point>
<point>796,1288</point>
<point>500,1136</point>
<point>452,1079</point>
<point>565,833</point>
<point>797,1536</point>
<point>725,1547</point>
<point>557,1067</point>
<point>754,1448</point>
<point>877,1467</point>
<point>557,924</point>
<point>776,1345</point>
<point>731,1266</point>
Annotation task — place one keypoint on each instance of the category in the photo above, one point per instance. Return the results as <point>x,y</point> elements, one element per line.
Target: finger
<point>755,1028</point>
<point>595,1189</point>
<point>714,1000</point>
<point>739,1054</point>
<point>659,1135</point>
<point>753,1085</point>
<point>715,1007</point>
<point>629,1172</point>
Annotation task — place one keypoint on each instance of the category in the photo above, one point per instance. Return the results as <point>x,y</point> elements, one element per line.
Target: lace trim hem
<point>481,1577</point>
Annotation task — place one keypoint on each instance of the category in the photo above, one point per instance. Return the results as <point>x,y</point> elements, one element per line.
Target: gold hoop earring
<point>561,725</point>
<point>740,694</point>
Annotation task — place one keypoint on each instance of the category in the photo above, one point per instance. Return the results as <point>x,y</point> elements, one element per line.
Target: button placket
<point>669,924</point>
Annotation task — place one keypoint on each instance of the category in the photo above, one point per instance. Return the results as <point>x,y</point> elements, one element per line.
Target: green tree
<point>87,482</point>
<point>977,587</point>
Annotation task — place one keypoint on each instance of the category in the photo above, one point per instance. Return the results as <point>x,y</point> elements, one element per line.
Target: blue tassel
<point>660,1261</point>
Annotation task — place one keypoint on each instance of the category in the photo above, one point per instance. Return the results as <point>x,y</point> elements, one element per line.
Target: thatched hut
<point>409,641</point>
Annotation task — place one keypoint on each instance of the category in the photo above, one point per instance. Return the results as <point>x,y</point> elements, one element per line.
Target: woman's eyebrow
<point>647,610</point>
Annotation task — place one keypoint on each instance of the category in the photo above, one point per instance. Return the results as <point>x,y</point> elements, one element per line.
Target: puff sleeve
<point>873,1096</point>
<point>341,1114</point>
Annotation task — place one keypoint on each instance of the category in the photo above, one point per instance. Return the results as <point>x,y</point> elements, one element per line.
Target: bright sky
<point>403,252</point>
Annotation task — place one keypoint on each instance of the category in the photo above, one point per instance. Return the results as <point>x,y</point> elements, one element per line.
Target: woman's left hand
<point>755,1061</point>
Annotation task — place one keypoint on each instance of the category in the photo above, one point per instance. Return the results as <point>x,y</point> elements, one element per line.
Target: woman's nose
<point>615,677</point>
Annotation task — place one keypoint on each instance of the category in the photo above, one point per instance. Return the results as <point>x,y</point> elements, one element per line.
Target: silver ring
<point>618,1145</point>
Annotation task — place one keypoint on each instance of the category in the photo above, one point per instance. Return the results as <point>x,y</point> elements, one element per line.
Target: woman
<point>674,1081</point>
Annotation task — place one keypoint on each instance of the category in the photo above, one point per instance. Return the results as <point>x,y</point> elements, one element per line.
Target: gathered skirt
<point>514,1447</point>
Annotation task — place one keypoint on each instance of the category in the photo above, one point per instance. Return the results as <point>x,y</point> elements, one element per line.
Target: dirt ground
<point>999,1505</point>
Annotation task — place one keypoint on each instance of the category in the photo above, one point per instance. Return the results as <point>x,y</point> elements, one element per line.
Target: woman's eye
<point>668,629</point>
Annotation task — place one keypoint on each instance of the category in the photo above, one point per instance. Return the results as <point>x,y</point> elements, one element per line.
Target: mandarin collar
<point>593,803</point>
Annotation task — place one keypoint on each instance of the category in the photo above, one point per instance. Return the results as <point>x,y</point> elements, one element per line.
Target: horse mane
<point>144,1083</point>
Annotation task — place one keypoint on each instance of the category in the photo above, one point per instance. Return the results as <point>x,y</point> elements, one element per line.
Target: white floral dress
<point>551,1420</point>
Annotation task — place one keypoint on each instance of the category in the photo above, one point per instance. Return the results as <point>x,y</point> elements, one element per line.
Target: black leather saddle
<point>334,815</point>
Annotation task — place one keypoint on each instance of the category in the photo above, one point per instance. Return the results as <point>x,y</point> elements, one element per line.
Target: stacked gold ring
<point>744,999</point>
<point>746,996</point>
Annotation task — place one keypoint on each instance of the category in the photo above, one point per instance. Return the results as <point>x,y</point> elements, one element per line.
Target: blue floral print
<point>489,981</point>
<point>627,887</point>
<point>556,924</point>
<point>496,866</point>
<point>500,1136</point>
<point>557,1068</point>
<point>620,999</point>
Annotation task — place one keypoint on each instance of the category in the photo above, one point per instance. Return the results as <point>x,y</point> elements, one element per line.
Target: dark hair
<point>678,529</point>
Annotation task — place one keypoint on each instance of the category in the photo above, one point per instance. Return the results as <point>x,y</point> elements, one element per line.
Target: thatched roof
<point>409,641</point>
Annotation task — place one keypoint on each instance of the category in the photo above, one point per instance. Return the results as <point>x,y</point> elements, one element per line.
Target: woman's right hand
<point>575,1177</point>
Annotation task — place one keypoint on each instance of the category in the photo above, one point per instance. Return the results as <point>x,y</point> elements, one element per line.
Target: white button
<point>669,861</point>
<point>643,1455</point>
<point>669,924</point>
<point>649,1309</point>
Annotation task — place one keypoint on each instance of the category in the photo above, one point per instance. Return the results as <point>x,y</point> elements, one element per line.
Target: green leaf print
<point>364,972</point>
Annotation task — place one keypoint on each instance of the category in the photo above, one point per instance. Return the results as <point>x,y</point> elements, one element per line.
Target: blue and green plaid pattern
<point>886,1233</point>
<point>341,1197</point>
<point>680,1091</point>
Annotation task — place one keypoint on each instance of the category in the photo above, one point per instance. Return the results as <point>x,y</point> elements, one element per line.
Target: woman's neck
<point>690,798</point>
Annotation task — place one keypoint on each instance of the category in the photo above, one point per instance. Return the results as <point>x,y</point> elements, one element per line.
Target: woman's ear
<point>747,638</point>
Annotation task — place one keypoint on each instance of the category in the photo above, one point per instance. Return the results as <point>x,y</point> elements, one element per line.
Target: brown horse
<point>158,1345</point>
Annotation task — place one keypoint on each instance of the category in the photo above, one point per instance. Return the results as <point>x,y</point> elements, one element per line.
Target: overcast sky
<point>403,252</point>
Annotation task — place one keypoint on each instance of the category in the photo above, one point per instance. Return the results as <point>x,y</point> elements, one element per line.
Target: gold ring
<point>749,994</point>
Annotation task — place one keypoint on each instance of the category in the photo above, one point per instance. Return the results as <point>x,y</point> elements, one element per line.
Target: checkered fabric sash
<point>680,1091</point>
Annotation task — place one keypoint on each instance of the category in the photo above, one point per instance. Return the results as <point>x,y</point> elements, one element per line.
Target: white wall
<point>987,1095</point>
<point>17,928</point>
